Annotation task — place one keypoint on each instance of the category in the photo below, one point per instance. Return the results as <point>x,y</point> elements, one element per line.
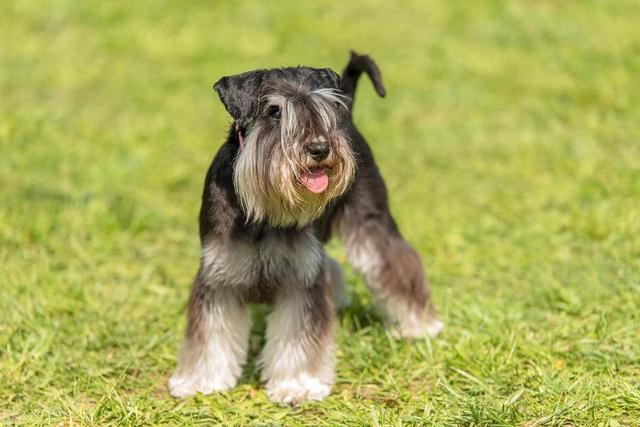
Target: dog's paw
<point>295,390</point>
<point>419,329</point>
<point>431,328</point>
<point>182,386</point>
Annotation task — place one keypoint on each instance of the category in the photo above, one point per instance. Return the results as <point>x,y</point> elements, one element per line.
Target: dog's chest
<point>272,261</point>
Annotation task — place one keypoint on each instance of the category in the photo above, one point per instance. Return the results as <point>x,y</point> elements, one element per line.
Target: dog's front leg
<point>215,345</point>
<point>298,359</point>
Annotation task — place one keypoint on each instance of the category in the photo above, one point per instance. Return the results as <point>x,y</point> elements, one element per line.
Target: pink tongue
<point>315,180</point>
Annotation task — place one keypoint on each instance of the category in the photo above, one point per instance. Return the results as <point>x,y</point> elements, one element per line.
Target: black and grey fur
<point>262,230</point>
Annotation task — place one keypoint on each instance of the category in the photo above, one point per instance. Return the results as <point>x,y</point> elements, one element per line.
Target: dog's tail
<point>356,66</point>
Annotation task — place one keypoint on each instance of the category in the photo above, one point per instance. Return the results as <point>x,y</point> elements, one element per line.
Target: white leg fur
<point>410,324</point>
<point>405,321</point>
<point>212,358</point>
<point>297,364</point>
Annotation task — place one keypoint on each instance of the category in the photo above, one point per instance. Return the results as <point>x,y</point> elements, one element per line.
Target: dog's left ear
<point>328,78</point>
<point>240,95</point>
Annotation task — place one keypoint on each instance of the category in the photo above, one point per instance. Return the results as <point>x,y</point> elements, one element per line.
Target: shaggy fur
<point>262,227</point>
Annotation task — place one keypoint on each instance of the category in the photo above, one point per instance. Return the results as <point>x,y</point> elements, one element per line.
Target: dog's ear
<point>240,95</point>
<point>328,78</point>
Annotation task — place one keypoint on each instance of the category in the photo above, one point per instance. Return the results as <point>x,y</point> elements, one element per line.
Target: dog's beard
<point>268,183</point>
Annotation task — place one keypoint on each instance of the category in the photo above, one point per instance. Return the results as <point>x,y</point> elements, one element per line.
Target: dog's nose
<point>318,150</point>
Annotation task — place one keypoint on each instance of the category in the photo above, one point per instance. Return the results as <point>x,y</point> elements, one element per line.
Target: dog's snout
<point>318,150</point>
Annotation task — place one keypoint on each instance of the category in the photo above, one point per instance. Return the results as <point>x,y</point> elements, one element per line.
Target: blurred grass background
<point>510,144</point>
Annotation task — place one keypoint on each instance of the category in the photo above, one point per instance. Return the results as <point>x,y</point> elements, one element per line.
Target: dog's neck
<point>240,137</point>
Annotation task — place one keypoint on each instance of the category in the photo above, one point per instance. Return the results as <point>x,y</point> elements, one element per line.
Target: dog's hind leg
<point>216,343</point>
<point>389,265</point>
<point>335,275</point>
<point>298,358</point>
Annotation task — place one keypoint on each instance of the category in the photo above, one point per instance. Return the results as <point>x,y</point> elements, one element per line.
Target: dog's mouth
<point>315,180</point>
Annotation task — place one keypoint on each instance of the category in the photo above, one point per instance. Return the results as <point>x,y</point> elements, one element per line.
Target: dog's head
<point>295,155</point>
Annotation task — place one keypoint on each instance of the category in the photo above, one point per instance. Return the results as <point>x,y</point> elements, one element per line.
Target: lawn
<point>510,142</point>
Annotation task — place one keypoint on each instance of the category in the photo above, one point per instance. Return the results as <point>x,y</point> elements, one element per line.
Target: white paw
<point>295,390</point>
<point>419,329</point>
<point>181,386</point>
<point>434,327</point>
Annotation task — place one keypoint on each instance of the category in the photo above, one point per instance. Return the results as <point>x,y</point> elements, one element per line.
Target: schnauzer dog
<point>294,169</point>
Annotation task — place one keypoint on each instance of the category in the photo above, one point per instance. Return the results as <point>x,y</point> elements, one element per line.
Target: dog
<point>293,171</point>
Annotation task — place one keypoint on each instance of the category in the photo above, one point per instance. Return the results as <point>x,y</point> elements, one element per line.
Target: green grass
<point>510,142</point>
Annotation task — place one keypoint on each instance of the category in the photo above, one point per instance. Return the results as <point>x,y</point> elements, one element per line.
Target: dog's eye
<point>274,112</point>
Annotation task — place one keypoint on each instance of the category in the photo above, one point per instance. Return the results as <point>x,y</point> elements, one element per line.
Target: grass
<point>511,148</point>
